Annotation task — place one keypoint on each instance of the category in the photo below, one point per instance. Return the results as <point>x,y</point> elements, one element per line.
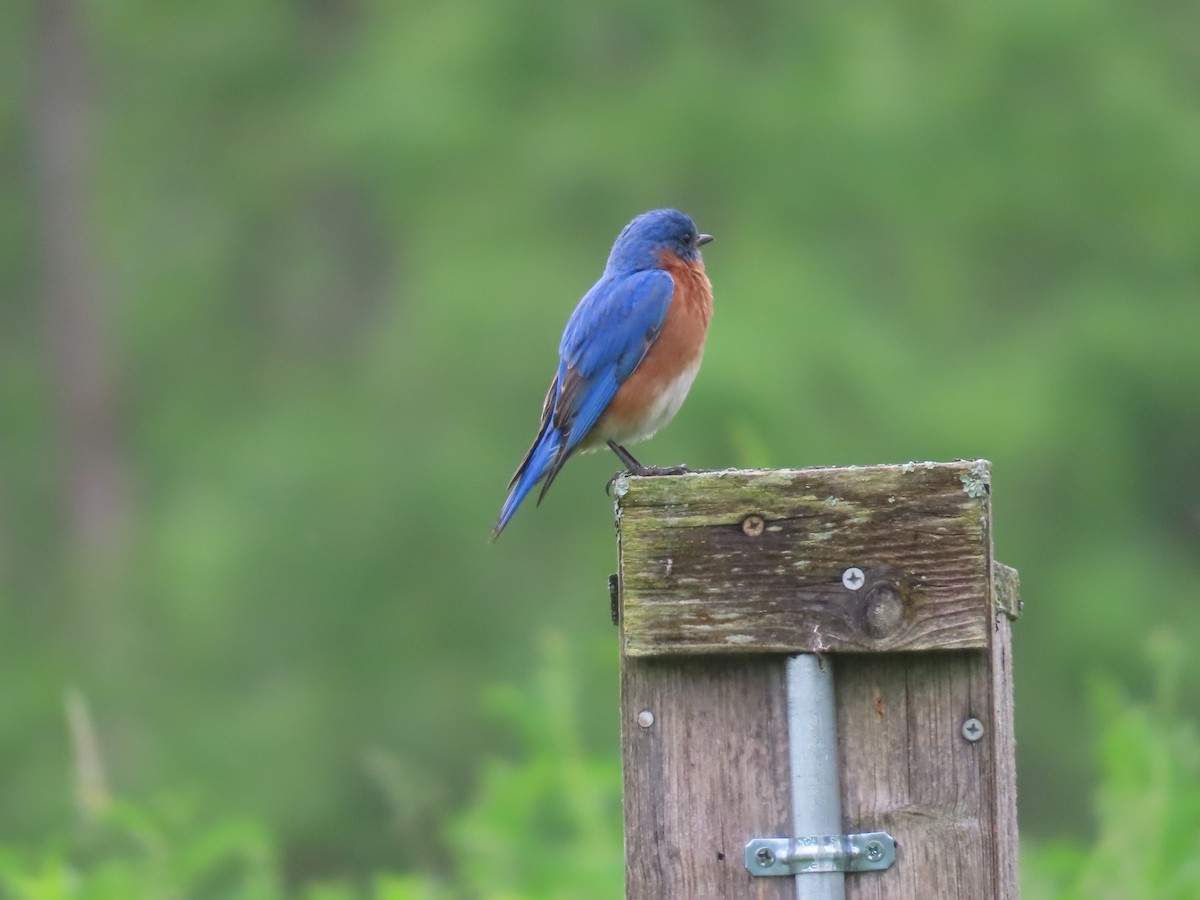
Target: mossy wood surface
<point>753,561</point>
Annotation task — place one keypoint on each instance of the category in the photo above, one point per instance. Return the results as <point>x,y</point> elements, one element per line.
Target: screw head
<point>765,857</point>
<point>753,526</point>
<point>972,729</point>
<point>645,718</point>
<point>853,578</point>
<point>873,851</point>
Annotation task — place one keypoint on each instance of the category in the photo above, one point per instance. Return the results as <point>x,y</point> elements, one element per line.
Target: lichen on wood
<point>753,561</point>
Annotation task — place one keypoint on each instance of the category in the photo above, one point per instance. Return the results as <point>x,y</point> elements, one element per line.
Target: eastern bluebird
<point>628,355</point>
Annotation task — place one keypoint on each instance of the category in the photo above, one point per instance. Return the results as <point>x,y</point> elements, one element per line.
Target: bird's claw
<point>608,484</point>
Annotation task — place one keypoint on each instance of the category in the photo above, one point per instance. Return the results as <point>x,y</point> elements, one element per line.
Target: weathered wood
<point>1006,586</point>
<point>908,769</point>
<point>1004,750</point>
<point>729,562</point>
<point>706,773</point>
<point>707,768</point>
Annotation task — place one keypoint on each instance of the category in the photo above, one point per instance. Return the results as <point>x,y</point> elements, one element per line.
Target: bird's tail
<point>543,459</point>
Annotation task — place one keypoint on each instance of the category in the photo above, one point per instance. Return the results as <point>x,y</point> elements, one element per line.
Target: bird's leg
<point>636,468</point>
<point>626,457</point>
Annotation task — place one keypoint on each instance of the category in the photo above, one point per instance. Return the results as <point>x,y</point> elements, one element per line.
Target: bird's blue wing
<point>605,339</point>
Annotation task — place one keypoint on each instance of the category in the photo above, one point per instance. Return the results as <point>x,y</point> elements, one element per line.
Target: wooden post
<point>725,574</point>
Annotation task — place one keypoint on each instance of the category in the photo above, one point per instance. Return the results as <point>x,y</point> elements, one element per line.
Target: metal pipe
<point>816,788</point>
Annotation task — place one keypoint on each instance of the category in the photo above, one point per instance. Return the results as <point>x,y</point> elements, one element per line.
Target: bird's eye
<point>687,239</point>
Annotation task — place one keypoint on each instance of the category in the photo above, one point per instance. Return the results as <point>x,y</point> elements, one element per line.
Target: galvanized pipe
<point>816,788</point>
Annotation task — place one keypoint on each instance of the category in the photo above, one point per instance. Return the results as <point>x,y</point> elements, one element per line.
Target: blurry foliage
<point>546,827</point>
<point>131,852</point>
<point>549,825</point>
<point>1148,802</point>
<point>337,242</point>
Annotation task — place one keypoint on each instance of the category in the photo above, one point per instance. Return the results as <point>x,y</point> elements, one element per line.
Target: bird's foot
<point>633,467</point>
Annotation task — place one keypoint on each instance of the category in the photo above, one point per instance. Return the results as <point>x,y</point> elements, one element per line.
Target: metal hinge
<point>867,852</point>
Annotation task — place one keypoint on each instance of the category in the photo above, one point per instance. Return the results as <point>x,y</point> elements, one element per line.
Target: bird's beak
<point>702,239</point>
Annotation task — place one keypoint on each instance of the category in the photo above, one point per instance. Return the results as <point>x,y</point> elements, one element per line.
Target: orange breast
<point>676,351</point>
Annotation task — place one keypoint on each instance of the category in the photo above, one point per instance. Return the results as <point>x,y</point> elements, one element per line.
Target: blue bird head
<point>642,242</point>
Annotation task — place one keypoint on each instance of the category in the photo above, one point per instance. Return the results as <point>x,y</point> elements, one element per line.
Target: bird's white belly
<point>662,410</point>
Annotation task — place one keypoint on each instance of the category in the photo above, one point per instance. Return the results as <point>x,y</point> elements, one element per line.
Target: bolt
<point>765,857</point>
<point>752,526</point>
<point>853,578</point>
<point>873,851</point>
<point>645,718</point>
<point>972,729</point>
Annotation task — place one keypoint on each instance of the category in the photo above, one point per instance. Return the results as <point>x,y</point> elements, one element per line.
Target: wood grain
<point>1004,749</point>
<point>708,774</point>
<point>711,772</point>
<point>907,769</point>
<point>752,561</point>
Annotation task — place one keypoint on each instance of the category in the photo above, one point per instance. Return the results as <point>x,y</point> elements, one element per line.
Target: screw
<point>853,578</point>
<point>873,851</point>
<point>765,857</point>
<point>972,729</point>
<point>645,718</point>
<point>752,526</point>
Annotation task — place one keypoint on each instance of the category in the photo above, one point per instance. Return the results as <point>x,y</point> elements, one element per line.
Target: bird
<point>628,356</point>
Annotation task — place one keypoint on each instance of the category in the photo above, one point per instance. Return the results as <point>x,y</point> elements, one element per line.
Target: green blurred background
<point>282,288</point>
